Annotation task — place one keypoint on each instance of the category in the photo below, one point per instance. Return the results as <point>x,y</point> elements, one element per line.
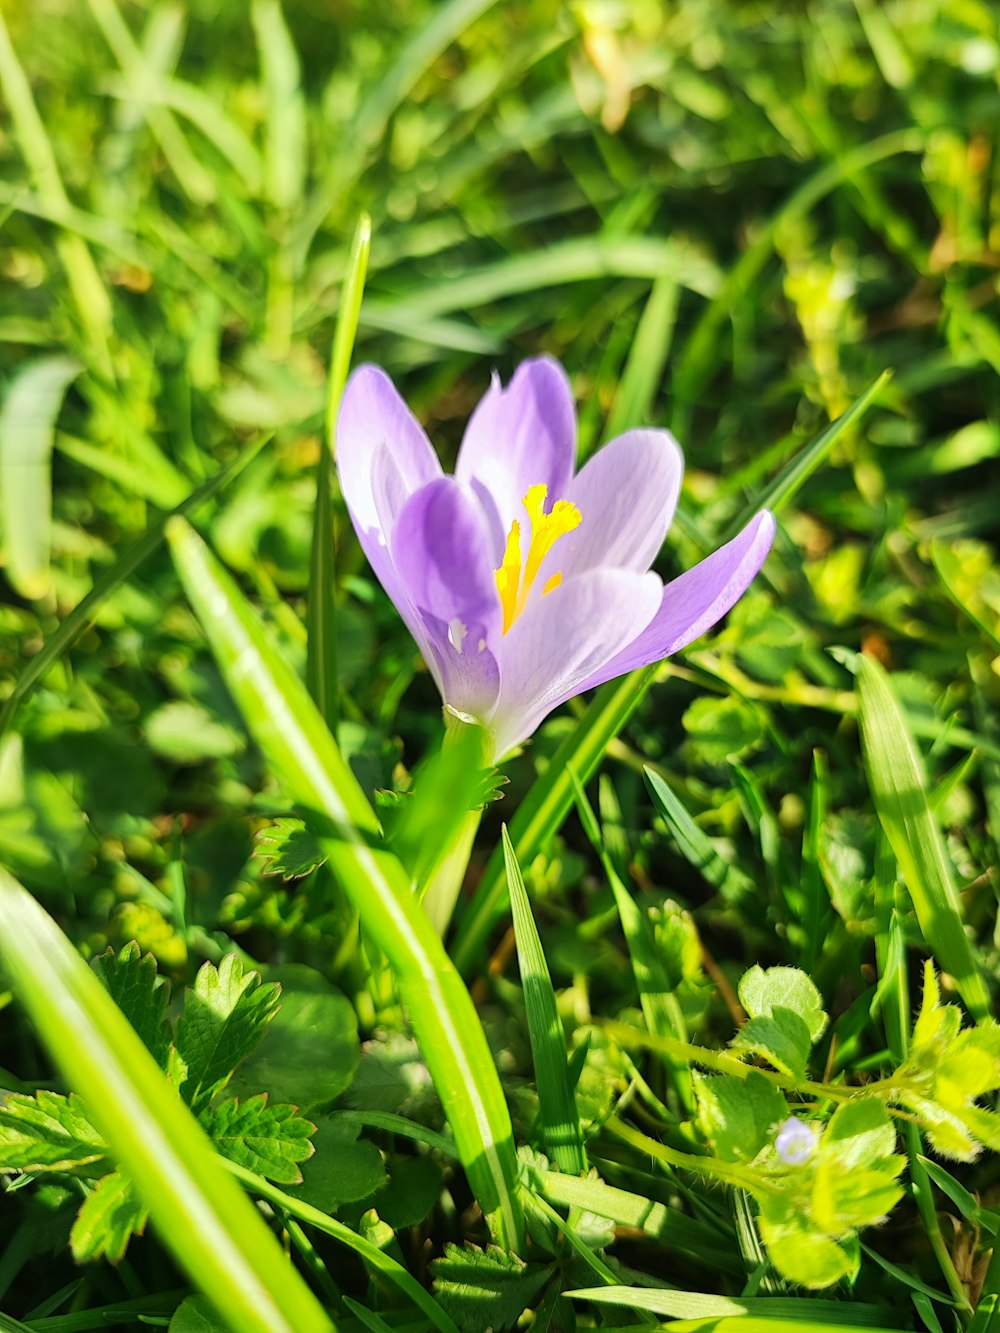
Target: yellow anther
<point>514,580</point>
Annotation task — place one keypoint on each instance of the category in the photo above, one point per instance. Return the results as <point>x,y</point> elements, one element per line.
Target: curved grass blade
<point>213,1230</point>
<point>284,721</point>
<point>27,425</point>
<point>549,801</point>
<point>899,791</point>
<point>376,1260</point>
<point>74,624</point>
<point>557,1104</point>
<point>321,613</point>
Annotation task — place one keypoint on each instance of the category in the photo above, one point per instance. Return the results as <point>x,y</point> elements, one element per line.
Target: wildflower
<point>795,1141</point>
<point>522,583</point>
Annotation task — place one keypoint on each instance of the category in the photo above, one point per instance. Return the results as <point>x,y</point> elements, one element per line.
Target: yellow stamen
<point>514,581</point>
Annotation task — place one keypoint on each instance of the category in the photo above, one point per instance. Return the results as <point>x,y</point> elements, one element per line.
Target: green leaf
<point>485,1289</point>
<point>343,1168</point>
<point>269,1139</point>
<point>694,844</point>
<point>108,1219</point>
<point>781,1038</point>
<point>412,1193</point>
<point>761,991</point>
<point>309,1052</point>
<point>856,1168</point>
<point>47,1132</point>
<point>131,979</point>
<point>225,1016</point>
<point>287,848</point>
<point>212,1229</point>
<point>721,728</point>
<point>557,1102</point>
<point>798,1251</point>
<point>196,1315</point>
<point>899,791</point>
<point>27,423</point>
<point>738,1116</point>
<point>186,733</point>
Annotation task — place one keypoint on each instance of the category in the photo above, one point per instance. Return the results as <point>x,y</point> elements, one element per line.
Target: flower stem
<point>444,882</point>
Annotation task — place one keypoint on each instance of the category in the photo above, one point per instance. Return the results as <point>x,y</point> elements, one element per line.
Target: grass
<point>726,219</point>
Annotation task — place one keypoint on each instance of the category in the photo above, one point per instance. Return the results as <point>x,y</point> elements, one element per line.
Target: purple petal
<point>441,554</point>
<point>373,416</point>
<point>519,437</point>
<point>563,639</point>
<point>626,495</point>
<point>697,599</point>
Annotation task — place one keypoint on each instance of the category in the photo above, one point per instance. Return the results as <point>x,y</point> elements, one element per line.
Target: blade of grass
<point>213,1230</point>
<point>777,493</point>
<point>74,624</point>
<point>659,1005</point>
<point>557,1103</point>
<point>321,612</point>
<point>550,799</point>
<point>694,844</point>
<point>284,721</point>
<point>376,1260</point>
<point>27,426</point>
<point>899,792</point>
<point>90,296</point>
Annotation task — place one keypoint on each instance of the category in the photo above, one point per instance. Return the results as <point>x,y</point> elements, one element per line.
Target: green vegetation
<point>708,1040</point>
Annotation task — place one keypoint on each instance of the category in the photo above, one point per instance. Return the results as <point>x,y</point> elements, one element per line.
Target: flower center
<point>514,578</point>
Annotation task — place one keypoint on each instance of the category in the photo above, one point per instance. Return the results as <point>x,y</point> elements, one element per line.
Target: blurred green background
<point>724,218</point>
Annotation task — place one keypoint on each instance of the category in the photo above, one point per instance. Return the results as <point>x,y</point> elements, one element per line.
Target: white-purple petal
<point>441,555</point>
<point>564,638</point>
<point>626,495</point>
<point>518,437</point>
<point>373,416</point>
<point>695,601</point>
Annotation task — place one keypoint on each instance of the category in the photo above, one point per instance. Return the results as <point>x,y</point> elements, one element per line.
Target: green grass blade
<point>545,807</point>
<point>659,1005</point>
<point>802,1313</point>
<point>633,404</point>
<point>899,791</point>
<point>321,613</point>
<point>285,147</point>
<point>376,1260</point>
<point>557,1103</point>
<point>211,1227</point>
<point>694,844</point>
<point>74,624</point>
<point>777,493</point>
<point>284,721</point>
<point>27,426</point>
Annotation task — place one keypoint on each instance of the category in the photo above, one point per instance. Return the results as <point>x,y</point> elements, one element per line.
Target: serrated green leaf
<point>763,990</point>
<point>287,848</point>
<point>269,1139</point>
<point>738,1116</point>
<point>781,1038</point>
<point>485,1289</point>
<point>108,1219</point>
<point>47,1132</point>
<point>309,1052</point>
<point>225,1016</point>
<point>936,1024</point>
<point>213,1231</point>
<point>947,1132</point>
<point>343,1168</point>
<point>131,979</point>
<point>721,728</point>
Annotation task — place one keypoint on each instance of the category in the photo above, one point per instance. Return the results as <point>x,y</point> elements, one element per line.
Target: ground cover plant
<point>652,982</point>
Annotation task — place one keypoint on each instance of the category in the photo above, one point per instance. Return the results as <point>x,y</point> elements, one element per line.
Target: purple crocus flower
<point>522,582</point>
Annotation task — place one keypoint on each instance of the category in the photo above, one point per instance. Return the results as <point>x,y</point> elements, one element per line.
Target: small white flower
<point>795,1141</point>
